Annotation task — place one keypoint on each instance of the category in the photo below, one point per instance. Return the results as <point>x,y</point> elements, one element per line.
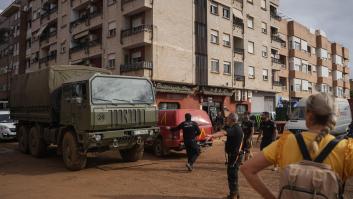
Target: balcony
<point>346,84</point>
<point>324,62</point>
<point>86,22</point>
<point>337,67</point>
<point>324,80</point>
<point>238,4</point>
<point>78,3</point>
<point>238,55</point>
<point>238,30</point>
<point>49,59</point>
<point>49,38</point>
<point>131,7</point>
<point>239,81</point>
<point>278,41</point>
<point>300,94</point>
<point>90,49</point>
<point>277,86</point>
<point>140,69</point>
<point>137,36</point>
<point>305,76</point>
<point>346,70</point>
<point>278,64</point>
<point>338,83</point>
<point>49,16</point>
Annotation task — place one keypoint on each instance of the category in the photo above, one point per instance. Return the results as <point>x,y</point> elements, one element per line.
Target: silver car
<point>7,126</point>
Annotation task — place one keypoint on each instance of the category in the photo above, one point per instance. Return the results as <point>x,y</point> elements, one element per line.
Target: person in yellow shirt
<point>320,120</point>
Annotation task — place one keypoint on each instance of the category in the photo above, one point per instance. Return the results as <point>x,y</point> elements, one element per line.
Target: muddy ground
<point>107,177</point>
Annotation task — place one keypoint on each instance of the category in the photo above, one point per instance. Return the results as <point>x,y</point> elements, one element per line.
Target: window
<point>265,74</point>
<point>63,48</point>
<point>264,51</point>
<point>263,4</point>
<point>214,36</point>
<point>226,40</point>
<point>136,57</point>
<point>264,27</point>
<point>215,65</point>
<point>250,22</point>
<point>214,8</point>
<point>64,20</point>
<point>251,47</point>
<point>111,2</point>
<point>226,68</point>
<point>111,60</point>
<point>226,12</point>
<point>251,72</point>
<point>112,29</point>
<point>168,105</point>
<point>297,85</point>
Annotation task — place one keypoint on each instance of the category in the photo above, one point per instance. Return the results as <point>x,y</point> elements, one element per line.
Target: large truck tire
<point>134,154</point>
<point>22,137</point>
<point>73,159</point>
<point>37,146</point>
<point>159,149</point>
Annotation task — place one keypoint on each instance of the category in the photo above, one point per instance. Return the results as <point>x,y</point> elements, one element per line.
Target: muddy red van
<point>167,140</point>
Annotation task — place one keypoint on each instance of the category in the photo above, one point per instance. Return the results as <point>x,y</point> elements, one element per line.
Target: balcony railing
<point>277,83</point>
<point>48,12</point>
<point>84,18</point>
<point>276,16</point>
<point>85,46</point>
<point>136,30</point>
<point>278,39</point>
<point>51,56</point>
<point>142,65</point>
<point>47,35</point>
<point>239,78</point>
<point>239,51</point>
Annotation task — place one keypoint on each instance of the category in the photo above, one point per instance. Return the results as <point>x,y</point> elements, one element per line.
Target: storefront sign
<point>173,88</point>
<point>216,91</point>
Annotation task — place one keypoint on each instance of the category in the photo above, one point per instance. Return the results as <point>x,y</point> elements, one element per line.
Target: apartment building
<point>11,53</point>
<point>209,54</point>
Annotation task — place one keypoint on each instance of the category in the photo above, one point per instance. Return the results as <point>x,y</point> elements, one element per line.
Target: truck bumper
<point>118,139</point>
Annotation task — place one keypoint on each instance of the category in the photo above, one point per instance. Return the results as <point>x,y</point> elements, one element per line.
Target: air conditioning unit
<point>237,95</point>
<point>264,54</point>
<point>244,96</point>
<point>264,30</point>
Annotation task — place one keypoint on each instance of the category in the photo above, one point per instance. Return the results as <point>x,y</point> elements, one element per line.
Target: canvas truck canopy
<point>33,92</point>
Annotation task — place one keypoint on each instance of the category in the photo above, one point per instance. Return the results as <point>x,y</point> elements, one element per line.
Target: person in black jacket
<point>233,146</point>
<point>190,131</point>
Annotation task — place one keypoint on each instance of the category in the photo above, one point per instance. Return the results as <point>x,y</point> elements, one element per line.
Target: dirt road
<point>22,176</point>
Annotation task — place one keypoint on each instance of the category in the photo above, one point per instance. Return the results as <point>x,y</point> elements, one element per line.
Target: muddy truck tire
<point>74,160</point>
<point>134,154</point>
<point>22,137</point>
<point>37,146</point>
<point>159,149</point>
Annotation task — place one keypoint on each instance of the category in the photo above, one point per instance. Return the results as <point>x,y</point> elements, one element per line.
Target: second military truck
<point>82,109</point>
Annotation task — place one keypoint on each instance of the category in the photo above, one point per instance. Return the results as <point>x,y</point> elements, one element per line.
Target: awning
<point>237,13</point>
<point>40,32</point>
<point>81,34</point>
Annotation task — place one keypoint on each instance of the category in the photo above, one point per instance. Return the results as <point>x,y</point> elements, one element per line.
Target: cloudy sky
<point>335,17</point>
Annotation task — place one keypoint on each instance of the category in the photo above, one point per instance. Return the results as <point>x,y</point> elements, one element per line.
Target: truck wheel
<point>72,157</point>
<point>37,146</point>
<point>158,149</point>
<point>22,137</point>
<point>134,154</point>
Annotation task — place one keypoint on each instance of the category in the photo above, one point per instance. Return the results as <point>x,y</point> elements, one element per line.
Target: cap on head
<point>266,114</point>
<point>188,117</point>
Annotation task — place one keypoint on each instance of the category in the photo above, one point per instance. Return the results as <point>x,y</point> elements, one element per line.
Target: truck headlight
<point>2,128</point>
<point>98,137</point>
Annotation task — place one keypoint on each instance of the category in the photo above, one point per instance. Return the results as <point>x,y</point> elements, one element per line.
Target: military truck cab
<point>84,110</point>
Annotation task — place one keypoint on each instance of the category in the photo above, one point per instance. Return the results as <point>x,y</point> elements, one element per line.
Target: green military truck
<point>82,109</point>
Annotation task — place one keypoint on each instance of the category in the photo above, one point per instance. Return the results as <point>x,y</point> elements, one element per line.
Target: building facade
<point>215,55</point>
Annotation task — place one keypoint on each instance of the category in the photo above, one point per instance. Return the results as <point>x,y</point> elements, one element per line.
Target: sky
<point>334,17</point>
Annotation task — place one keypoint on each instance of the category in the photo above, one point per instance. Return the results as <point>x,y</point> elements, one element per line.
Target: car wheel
<point>134,154</point>
<point>74,160</point>
<point>158,149</point>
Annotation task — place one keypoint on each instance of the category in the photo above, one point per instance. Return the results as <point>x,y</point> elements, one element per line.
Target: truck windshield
<point>114,90</point>
<point>298,113</point>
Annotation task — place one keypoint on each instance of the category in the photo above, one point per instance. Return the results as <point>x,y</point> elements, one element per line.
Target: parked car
<point>167,140</point>
<point>7,126</point>
<point>297,122</point>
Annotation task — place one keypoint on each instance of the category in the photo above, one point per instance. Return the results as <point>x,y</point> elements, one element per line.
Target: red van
<point>167,140</point>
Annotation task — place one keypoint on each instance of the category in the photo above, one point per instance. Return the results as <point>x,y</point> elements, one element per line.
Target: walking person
<point>233,145</point>
<point>320,176</point>
<point>190,131</point>
<point>248,128</point>
<point>219,121</point>
<point>268,130</point>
